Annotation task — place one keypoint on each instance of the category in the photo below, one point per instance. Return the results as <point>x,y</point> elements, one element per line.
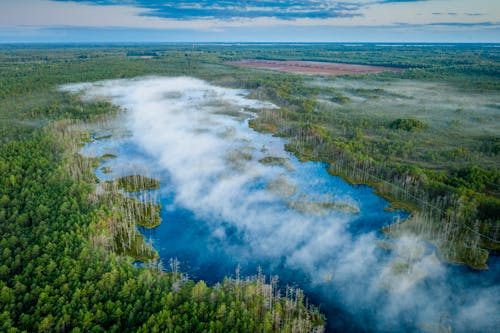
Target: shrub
<point>407,124</point>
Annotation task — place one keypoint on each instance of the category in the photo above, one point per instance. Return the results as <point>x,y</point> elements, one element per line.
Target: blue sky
<point>250,21</point>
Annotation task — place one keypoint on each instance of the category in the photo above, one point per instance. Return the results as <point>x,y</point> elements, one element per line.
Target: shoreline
<point>126,212</point>
<point>475,258</point>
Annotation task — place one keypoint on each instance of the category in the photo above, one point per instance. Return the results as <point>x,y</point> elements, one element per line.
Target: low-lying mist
<point>441,105</point>
<point>293,215</point>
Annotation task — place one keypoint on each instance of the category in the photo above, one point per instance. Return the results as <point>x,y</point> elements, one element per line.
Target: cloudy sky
<point>250,21</point>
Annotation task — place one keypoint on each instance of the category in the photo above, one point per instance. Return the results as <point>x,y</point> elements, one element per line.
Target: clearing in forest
<point>313,67</point>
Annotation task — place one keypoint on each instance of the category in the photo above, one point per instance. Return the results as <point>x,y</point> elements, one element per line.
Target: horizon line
<point>242,43</point>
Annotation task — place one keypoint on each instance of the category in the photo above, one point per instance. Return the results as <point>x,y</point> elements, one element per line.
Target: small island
<point>321,208</point>
<point>281,161</point>
<point>133,183</point>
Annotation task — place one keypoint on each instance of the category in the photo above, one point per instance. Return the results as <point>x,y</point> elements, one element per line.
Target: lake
<point>234,197</point>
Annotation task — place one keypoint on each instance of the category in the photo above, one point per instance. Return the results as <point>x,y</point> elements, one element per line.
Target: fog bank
<point>217,167</point>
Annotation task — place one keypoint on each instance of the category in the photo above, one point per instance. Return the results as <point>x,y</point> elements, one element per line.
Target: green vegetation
<point>401,267</point>
<point>321,207</point>
<point>134,183</point>
<point>464,248</point>
<point>426,138</point>
<point>117,223</point>
<point>106,170</point>
<point>273,160</point>
<point>66,249</point>
<point>340,99</point>
<point>407,124</point>
<point>452,90</point>
<point>238,158</point>
<point>282,187</point>
<point>103,137</point>
<point>56,273</point>
<point>107,156</point>
<point>66,246</point>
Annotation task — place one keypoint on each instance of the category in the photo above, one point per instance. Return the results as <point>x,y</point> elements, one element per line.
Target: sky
<point>83,21</point>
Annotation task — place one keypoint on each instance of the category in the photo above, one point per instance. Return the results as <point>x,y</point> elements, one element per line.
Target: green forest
<point>67,253</point>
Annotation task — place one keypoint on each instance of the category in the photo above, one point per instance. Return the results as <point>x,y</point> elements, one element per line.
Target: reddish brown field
<point>313,67</point>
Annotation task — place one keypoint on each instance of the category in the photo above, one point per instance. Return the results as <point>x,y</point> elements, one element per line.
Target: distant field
<point>314,67</point>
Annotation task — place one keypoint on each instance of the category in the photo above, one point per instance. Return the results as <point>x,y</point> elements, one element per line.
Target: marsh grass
<point>455,121</point>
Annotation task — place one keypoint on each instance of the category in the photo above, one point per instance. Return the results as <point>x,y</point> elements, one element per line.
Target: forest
<point>425,138</point>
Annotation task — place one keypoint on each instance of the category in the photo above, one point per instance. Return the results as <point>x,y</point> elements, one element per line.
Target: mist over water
<point>226,204</point>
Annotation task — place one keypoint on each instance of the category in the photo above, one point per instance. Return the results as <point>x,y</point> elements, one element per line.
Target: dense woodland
<point>66,257</point>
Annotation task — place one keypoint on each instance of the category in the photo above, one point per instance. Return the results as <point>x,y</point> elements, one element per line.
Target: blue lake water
<point>223,208</point>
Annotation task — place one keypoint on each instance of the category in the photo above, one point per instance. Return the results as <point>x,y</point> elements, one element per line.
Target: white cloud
<point>46,13</point>
<point>178,121</point>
